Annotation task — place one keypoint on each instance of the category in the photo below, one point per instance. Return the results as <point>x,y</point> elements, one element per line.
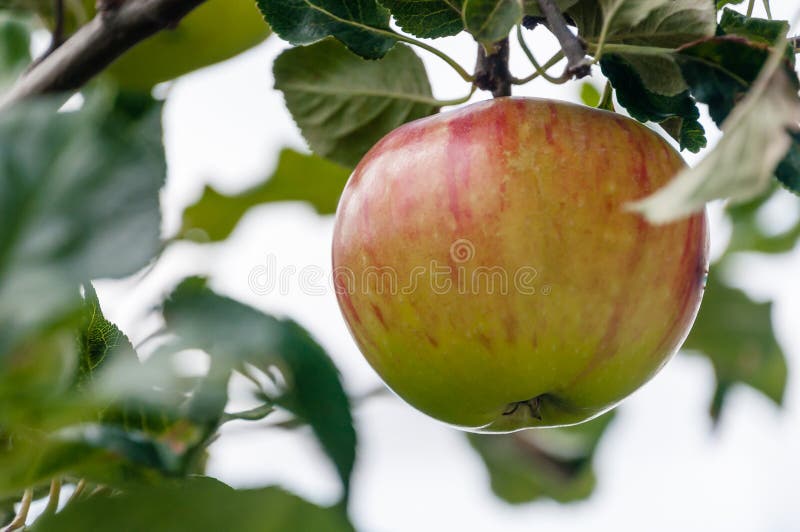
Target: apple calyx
<point>533,404</point>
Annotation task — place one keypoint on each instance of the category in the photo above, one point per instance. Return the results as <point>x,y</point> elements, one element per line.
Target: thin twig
<point>22,515</point>
<point>114,30</point>
<point>53,497</point>
<point>578,65</point>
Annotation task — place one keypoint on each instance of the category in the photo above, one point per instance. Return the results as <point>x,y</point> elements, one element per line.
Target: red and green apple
<point>490,273</point>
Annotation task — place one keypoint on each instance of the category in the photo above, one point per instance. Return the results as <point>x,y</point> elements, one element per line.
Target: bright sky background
<point>660,467</point>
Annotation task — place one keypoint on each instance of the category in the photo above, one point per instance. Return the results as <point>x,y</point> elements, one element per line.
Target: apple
<point>214,31</point>
<point>488,270</point>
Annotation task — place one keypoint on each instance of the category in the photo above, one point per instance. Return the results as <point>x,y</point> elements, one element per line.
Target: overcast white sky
<point>660,467</point>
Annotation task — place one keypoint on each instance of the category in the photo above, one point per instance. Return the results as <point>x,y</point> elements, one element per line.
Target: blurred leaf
<point>15,46</point>
<point>344,104</point>
<point>491,20</point>
<point>747,233</point>
<point>194,505</point>
<point>590,95</point>
<point>353,22</point>
<point>652,88</point>
<point>736,334</point>
<point>298,177</point>
<point>543,463</point>
<point>78,200</point>
<point>753,29</point>
<point>427,18</point>
<point>235,334</point>
<point>755,140</point>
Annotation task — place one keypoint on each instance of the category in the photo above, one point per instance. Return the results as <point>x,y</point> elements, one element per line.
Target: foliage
<point>79,202</point>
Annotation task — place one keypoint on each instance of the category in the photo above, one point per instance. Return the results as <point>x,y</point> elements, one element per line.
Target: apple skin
<point>523,185</point>
<point>213,32</point>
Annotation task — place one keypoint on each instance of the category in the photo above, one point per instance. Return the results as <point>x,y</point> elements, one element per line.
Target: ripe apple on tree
<point>595,299</point>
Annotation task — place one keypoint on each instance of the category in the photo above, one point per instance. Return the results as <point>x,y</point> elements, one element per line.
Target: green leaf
<point>651,88</point>
<point>720,70</point>
<point>547,463</point>
<point>491,20</point>
<point>532,6</point>
<point>78,200</point>
<point>736,334</point>
<point>747,233</point>
<point>753,29</point>
<point>98,339</point>
<point>788,171</point>
<point>427,18</point>
<point>755,140</point>
<point>15,46</point>
<point>235,334</point>
<point>193,505</point>
<point>298,177</point>
<point>362,25</point>
<point>662,23</point>
<point>344,104</point>
<point>590,95</point>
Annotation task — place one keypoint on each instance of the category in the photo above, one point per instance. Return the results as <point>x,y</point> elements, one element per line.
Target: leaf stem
<point>539,70</point>
<point>750,6</point>
<point>254,414</point>
<point>596,51</point>
<point>767,9</point>
<point>466,76</point>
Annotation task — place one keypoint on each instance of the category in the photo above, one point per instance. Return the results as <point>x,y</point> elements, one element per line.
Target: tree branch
<point>117,27</point>
<point>577,63</point>
<point>491,70</point>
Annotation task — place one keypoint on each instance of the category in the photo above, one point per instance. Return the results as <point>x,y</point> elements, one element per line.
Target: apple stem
<point>491,69</point>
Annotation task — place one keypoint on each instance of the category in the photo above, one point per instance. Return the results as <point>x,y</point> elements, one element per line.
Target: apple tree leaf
<point>723,3</point>
<point>788,171</point>
<point>234,334</point>
<point>549,463</point>
<point>361,25</point>
<point>199,503</point>
<point>721,70</point>
<point>427,18</point>
<point>652,88</point>
<point>78,200</point>
<point>751,28</point>
<point>532,6</point>
<point>15,50</point>
<point>749,235</point>
<point>298,177</point>
<point>756,139</point>
<point>660,23</point>
<point>736,334</point>
<point>590,95</point>
<point>99,340</point>
<point>344,104</point>
<point>491,20</point>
